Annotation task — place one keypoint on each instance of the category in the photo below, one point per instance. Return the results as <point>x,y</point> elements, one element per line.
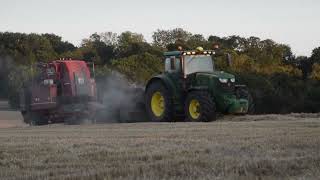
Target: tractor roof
<point>173,53</point>
<point>192,52</point>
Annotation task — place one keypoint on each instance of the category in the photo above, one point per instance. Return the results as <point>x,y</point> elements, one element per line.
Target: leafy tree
<point>89,53</point>
<point>286,52</point>
<point>26,49</point>
<point>127,38</point>
<point>315,74</point>
<point>167,38</point>
<point>196,40</point>
<point>109,38</point>
<point>58,45</point>
<point>94,49</point>
<point>315,57</point>
<point>139,68</point>
<point>305,65</point>
<point>232,42</point>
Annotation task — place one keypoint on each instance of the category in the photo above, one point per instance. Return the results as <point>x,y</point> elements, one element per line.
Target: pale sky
<point>292,22</point>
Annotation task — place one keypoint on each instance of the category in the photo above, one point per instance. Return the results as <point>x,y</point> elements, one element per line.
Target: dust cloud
<point>122,100</point>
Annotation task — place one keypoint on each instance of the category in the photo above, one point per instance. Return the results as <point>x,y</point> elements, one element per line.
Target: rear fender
<point>202,88</point>
<point>167,83</point>
<point>176,93</point>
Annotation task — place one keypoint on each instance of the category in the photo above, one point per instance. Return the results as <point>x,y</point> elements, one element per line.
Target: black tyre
<point>26,117</point>
<point>158,103</point>
<point>36,119</point>
<point>199,107</point>
<point>245,94</point>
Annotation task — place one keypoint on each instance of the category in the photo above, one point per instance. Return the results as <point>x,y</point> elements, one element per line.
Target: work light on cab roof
<point>198,51</point>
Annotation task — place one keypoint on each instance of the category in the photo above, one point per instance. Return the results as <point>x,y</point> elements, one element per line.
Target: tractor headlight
<point>223,80</point>
<point>233,80</point>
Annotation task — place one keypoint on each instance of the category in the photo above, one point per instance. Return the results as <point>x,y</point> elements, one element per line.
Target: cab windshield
<point>198,63</point>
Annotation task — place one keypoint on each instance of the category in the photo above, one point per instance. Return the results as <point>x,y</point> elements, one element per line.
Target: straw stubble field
<point>245,147</point>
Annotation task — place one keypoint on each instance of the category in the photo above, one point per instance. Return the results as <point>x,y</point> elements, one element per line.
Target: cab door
<point>173,66</point>
<point>173,69</point>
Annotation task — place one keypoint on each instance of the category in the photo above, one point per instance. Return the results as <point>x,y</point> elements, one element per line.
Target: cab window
<point>173,64</point>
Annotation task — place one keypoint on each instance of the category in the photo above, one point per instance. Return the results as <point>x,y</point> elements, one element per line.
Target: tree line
<point>279,81</point>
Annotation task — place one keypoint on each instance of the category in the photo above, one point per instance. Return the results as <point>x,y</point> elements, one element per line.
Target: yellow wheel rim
<point>157,104</point>
<point>194,109</point>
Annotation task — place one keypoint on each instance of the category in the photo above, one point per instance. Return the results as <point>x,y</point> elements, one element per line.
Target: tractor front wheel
<point>245,94</point>
<point>199,107</point>
<point>158,103</point>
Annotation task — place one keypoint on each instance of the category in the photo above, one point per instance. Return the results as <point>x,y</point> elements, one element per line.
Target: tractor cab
<point>189,62</point>
<point>198,65</point>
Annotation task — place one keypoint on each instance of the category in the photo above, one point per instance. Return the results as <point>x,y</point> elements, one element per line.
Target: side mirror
<point>229,59</point>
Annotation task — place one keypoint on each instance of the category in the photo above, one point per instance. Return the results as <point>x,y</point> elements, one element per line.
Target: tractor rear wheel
<point>199,107</point>
<point>158,103</point>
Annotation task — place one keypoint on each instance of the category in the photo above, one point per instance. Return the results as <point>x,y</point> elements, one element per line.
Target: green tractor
<point>192,89</point>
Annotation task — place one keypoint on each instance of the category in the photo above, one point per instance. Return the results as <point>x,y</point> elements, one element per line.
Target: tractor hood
<point>208,79</point>
<point>216,74</point>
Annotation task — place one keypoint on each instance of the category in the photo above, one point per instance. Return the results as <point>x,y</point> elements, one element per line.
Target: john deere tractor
<point>191,88</point>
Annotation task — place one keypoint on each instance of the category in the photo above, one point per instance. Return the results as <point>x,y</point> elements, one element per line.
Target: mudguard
<point>166,83</point>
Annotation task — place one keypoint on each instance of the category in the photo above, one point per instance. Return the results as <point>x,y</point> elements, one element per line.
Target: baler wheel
<point>36,119</point>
